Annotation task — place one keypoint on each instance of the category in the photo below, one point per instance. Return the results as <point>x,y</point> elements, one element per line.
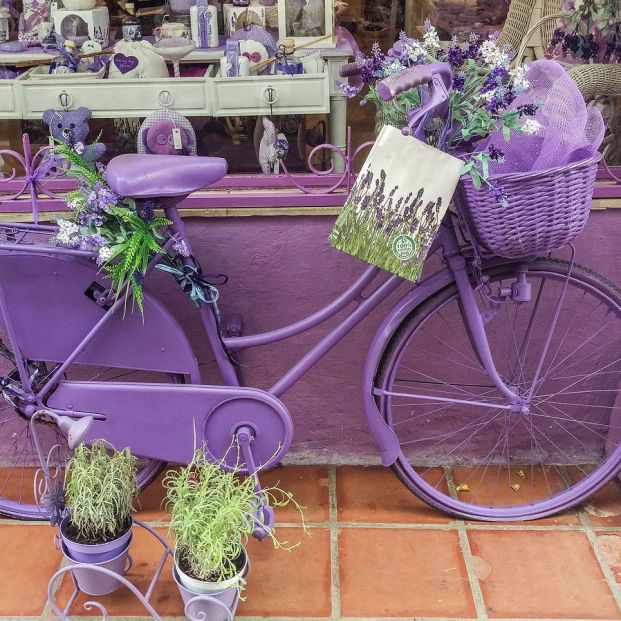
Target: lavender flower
<point>455,56</point>
<point>496,154</point>
<point>459,81</point>
<point>181,248</point>
<point>528,109</point>
<point>350,91</point>
<point>146,210</point>
<point>91,242</point>
<point>499,194</point>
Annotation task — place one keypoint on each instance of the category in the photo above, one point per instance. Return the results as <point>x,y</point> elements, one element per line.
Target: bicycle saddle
<point>151,176</point>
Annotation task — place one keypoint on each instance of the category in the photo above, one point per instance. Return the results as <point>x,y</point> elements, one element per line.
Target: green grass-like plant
<point>100,491</point>
<point>212,517</point>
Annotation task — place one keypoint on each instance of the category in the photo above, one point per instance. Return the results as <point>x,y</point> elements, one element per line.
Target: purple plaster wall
<point>282,268</point>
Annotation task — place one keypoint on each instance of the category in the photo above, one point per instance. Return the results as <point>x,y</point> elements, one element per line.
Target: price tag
<point>176,134</point>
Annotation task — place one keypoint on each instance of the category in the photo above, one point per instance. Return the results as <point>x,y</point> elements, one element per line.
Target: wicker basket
<point>546,210</point>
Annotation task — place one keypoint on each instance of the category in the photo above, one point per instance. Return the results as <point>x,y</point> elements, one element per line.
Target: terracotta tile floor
<point>375,553</point>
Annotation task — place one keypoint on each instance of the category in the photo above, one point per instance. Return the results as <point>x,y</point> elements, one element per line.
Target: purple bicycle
<point>491,389</point>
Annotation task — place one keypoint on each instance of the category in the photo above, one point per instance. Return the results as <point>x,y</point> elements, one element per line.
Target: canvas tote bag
<point>396,206</point>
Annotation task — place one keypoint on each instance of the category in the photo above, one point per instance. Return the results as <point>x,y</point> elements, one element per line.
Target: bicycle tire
<point>451,500</point>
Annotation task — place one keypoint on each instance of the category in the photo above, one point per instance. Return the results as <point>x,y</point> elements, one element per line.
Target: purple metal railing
<point>37,188</point>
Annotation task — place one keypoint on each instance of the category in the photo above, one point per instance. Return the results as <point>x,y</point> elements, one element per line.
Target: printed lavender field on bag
<point>397,204</point>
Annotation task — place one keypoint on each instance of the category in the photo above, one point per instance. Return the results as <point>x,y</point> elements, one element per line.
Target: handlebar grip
<point>392,86</point>
<point>350,69</point>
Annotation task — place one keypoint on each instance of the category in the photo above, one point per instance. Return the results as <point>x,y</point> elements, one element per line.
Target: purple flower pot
<point>94,553</point>
<point>211,604</point>
<point>89,577</point>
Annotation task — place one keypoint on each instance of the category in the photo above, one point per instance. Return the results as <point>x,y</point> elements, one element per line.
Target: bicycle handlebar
<point>391,87</point>
<point>350,69</point>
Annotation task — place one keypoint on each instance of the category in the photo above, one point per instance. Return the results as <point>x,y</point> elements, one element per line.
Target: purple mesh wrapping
<point>571,131</point>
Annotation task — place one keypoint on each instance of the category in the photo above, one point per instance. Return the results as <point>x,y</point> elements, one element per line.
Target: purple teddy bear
<point>71,127</point>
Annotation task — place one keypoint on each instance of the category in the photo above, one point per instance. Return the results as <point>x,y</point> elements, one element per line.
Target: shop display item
<point>82,25</point>
<point>136,59</point>
<point>256,44</point>
<point>132,26</point>
<point>33,14</point>
<point>4,24</point>
<point>71,127</point>
<point>13,47</point>
<point>50,43</point>
<point>306,20</point>
<point>233,64</point>
<point>204,21</point>
<point>67,62</point>
<point>171,29</point>
<point>288,63</point>
<point>43,30</point>
<point>273,148</point>
<point>240,16</point>
<point>166,132</point>
<point>173,50</point>
<point>79,5</point>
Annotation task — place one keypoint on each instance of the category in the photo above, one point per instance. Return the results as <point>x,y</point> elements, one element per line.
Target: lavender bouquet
<point>484,87</point>
<point>123,234</point>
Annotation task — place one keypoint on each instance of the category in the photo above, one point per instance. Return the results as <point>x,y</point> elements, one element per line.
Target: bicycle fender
<point>384,437</point>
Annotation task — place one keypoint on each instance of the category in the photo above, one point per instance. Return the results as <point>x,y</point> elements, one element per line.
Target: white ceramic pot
<point>205,588</point>
<point>79,5</point>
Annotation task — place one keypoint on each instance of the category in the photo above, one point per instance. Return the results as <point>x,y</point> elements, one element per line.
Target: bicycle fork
<point>473,320</point>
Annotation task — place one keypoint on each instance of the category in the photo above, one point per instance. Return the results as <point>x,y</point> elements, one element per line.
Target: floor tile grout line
<point>47,613</point>
<point>608,575</point>
<point>335,568</point>
<point>466,552</point>
<point>451,525</point>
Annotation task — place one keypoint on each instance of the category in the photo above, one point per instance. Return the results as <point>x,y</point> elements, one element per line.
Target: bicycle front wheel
<point>462,450</point>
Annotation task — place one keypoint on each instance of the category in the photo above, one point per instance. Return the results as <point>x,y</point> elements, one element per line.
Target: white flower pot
<point>201,587</point>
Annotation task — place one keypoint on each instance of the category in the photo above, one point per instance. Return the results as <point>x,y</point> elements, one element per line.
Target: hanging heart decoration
<point>125,64</point>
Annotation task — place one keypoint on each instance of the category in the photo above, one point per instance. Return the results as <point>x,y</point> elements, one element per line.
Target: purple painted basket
<point>547,209</point>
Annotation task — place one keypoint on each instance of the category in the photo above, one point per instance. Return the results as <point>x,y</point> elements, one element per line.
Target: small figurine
<point>71,127</point>
<point>68,60</point>
<point>49,43</point>
<point>274,147</point>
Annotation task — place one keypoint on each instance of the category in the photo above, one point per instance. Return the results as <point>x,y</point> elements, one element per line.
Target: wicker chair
<point>529,27</point>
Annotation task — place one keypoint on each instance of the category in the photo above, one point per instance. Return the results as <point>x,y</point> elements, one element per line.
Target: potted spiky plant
<point>100,491</point>
<point>213,514</point>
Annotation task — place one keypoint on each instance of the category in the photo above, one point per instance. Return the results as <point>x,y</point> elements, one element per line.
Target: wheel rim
<point>495,464</point>
<point>18,457</point>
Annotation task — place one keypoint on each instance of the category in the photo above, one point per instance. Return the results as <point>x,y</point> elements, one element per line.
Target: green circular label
<point>404,247</point>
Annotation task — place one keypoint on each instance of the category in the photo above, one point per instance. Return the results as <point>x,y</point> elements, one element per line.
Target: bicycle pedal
<point>234,326</point>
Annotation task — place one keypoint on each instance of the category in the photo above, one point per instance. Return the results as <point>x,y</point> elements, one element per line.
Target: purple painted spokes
<point>18,458</point>
<point>463,449</point>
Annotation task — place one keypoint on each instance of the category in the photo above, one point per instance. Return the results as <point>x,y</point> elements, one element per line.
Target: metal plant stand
<point>191,608</point>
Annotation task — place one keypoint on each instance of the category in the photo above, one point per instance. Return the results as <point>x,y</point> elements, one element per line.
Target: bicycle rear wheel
<point>18,456</point>
<point>476,460</point>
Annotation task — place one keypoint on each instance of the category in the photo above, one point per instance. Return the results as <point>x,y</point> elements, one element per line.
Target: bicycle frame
<point>456,271</point>
<point>456,264</point>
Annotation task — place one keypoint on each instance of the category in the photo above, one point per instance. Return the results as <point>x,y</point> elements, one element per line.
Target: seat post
<point>172,213</point>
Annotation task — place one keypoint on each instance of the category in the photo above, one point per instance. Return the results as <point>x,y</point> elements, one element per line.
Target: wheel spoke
<point>559,352</point>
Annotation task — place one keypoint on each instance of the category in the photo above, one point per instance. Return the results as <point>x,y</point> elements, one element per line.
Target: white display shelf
<point>117,97</point>
<point>251,96</point>
<point>10,101</point>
